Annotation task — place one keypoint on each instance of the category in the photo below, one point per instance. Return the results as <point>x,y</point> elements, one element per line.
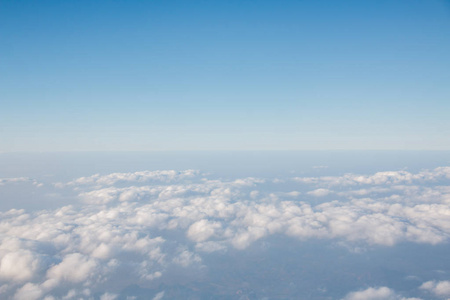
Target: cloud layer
<point>133,228</point>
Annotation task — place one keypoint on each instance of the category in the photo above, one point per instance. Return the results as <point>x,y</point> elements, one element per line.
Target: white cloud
<point>439,288</point>
<point>135,177</point>
<point>388,178</point>
<point>381,293</point>
<point>136,226</point>
<point>159,296</point>
<point>186,258</point>
<point>376,293</point>
<point>74,268</point>
<point>29,291</point>
<point>19,265</point>
<point>4,181</point>
<point>202,230</point>
<point>108,296</point>
<point>319,192</point>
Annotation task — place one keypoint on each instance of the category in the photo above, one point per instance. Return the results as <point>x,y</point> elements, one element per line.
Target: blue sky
<point>222,75</point>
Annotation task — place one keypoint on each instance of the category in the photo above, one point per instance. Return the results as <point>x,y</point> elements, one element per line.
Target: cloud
<point>377,293</point>
<point>74,268</point>
<point>165,176</point>
<point>19,265</point>
<point>202,230</point>
<point>5,181</point>
<point>29,291</point>
<point>319,192</point>
<point>439,288</point>
<point>186,258</point>
<point>379,178</point>
<point>381,293</point>
<point>140,225</point>
<point>159,296</point>
<point>108,296</point>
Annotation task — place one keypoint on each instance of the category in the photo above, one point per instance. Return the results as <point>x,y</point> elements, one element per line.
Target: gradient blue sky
<point>221,75</point>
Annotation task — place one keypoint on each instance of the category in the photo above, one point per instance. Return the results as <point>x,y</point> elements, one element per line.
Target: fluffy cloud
<point>29,291</point>
<point>378,293</point>
<point>159,296</point>
<point>19,265</point>
<point>135,177</point>
<point>381,293</point>
<point>439,288</point>
<point>73,268</point>
<point>202,230</point>
<point>142,225</point>
<point>319,192</point>
<point>108,296</point>
<point>379,178</point>
<point>4,181</point>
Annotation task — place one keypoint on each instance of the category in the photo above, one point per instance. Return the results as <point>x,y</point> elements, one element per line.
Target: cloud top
<point>141,226</point>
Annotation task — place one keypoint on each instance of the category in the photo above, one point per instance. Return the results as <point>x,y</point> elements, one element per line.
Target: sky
<point>224,75</point>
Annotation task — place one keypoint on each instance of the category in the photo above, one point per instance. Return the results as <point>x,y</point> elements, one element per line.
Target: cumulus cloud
<point>159,296</point>
<point>319,192</point>
<point>29,291</point>
<point>186,258</point>
<point>4,181</point>
<point>108,296</point>
<point>379,178</point>
<point>377,293</point>
<point>439,288</point>
<point>18,265</point>
<point>202,230</point>
<point>74,268</point>
<point>135,177</point>
<point>381,293</point>
<point>141,224</point>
